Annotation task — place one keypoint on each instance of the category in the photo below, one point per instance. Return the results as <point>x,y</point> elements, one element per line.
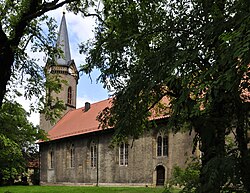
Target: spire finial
<point>64,10</point>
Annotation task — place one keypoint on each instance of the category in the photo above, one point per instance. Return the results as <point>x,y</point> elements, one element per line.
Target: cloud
<point>80,101</point>
<point>34,118</point>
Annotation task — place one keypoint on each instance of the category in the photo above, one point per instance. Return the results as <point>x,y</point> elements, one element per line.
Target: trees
<point>17,140</point>
<point>194,51</point>
<point>21,25</point>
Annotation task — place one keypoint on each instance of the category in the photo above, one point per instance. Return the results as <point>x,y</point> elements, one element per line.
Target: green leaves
<point>194,51</point>
<point>17,140</point>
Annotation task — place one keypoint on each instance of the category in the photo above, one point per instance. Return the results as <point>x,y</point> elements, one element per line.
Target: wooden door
<point>160,175</point>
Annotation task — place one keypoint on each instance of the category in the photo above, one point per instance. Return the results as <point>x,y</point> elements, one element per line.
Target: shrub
<point>186,179</point>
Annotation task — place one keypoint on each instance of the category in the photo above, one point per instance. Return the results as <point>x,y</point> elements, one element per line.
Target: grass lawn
<point>76,189</point>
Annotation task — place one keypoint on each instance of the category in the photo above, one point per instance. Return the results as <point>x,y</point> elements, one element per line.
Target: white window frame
<point>123,154</point>
<point>162,148</point>
<point>93,155</point>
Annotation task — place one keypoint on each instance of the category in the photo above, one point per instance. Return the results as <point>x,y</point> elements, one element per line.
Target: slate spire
<point>63,43</point>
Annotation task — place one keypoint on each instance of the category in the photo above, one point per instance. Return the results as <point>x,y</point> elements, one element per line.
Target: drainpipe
<point>39,162</point>
<point>97,162</point>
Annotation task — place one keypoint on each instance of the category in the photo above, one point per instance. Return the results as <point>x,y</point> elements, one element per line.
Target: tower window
<point>69,95</point>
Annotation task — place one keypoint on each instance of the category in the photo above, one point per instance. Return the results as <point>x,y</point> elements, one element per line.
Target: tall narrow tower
<point>65,68</point>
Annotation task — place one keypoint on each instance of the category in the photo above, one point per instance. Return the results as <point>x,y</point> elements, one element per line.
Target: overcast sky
<point>79,30</point>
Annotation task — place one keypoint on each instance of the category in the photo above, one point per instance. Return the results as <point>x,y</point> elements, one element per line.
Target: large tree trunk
<point>212,131</point>
<point>6,62</point>
<point>213,147</point>
<point>242,140</point>
<point>31,10</point>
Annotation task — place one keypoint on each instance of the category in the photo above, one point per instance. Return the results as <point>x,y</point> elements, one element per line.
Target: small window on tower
<point>69,95</point>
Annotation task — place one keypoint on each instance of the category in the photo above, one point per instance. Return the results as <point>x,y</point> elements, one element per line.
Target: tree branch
<point>3,37</point>
<point>34,11</point>
<point>47,7</point>
<point>94,15</point>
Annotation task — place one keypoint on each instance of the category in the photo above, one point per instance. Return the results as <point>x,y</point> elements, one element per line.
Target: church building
<point>78,152</point>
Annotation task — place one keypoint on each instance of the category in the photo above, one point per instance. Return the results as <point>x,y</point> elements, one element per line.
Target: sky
<point>79,30</point>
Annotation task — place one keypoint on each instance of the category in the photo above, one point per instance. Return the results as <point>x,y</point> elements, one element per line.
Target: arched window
<point>165,146</point>
<point>93,155</point>
<point>123,154</point>
<point>162,146</point>
<point>51,159</point>
<point>69,95</point>
<point>72,156</point>
<point>159,146</point>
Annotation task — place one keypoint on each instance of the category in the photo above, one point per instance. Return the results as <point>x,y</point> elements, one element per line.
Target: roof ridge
<point>101,101</point>
<point>95,103</point>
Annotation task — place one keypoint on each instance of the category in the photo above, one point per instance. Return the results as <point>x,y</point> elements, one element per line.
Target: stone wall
<point>62,95</point>
<point>142,160</point>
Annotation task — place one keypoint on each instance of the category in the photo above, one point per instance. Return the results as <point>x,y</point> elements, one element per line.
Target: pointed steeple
<point>63,43</point>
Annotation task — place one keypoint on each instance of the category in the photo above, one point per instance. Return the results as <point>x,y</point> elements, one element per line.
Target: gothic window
<point>165,146</point>
<point>69,95</point>
<point>93,155</point>
<point>162,145</point>
<point>51,159</point>
<point>159,146</point>
<point>123,154</point>
<point>72,156</point>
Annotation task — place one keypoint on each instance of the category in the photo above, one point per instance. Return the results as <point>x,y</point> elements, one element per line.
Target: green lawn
<point>76,189</point>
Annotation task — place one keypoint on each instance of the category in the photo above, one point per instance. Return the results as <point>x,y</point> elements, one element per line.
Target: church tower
<point>65,68</point>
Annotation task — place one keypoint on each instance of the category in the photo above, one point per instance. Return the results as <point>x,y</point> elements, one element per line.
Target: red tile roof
<point>76,122</point>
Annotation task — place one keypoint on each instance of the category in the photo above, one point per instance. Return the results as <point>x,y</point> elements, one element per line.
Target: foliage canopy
<point>17,140</point>
<point>24,26</point>
<point>194,51</point>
